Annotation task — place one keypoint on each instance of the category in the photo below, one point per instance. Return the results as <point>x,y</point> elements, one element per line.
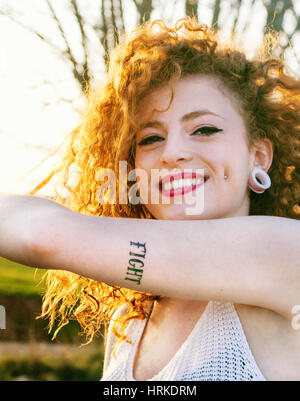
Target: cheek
<point>234,152</point>
<point>144,165</point>
<point>144,161</point>
<point>239,157</point>
<point>139,159</point>
<point>138,163</point>
<point>230,158</point>
<point>238,166</point>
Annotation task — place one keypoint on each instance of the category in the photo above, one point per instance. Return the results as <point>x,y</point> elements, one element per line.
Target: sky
<point>39,98</point>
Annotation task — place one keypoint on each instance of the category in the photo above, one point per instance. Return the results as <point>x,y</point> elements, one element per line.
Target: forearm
<point>20,217</point>
<point>242,259</point>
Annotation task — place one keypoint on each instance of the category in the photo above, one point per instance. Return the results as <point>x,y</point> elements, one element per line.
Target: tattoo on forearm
<point>136,263</point>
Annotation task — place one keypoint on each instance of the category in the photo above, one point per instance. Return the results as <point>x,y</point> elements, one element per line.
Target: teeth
<point>187,182</point>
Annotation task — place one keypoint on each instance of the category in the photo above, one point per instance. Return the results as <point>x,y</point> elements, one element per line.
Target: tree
<point>110,25</point>
<point>144,8</point>
<point>191,8</point>
<point>276,12</point>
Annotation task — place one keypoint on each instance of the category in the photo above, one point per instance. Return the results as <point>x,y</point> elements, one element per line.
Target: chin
<point>179,213</point>
<point>174,214</point>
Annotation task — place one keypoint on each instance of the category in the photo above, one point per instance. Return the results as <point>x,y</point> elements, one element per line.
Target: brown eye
<point>206,130</point>
<point>150,139</point>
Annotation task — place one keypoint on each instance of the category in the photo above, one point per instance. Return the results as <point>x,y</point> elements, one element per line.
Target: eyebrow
<point>185,118</point>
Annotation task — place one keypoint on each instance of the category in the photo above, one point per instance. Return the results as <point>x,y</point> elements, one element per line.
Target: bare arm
<point>251,260</point>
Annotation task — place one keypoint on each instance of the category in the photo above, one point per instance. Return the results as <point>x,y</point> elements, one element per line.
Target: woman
<point>204,283</point>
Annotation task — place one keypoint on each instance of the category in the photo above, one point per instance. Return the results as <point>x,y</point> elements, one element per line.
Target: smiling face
<point>202,129</point>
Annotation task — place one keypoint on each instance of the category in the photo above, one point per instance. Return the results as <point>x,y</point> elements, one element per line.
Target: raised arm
<point>252,260</point>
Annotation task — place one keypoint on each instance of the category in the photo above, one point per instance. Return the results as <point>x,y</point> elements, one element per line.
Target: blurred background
<point>49,51</point>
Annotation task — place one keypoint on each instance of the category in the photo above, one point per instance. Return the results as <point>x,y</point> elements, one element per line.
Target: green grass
<point>21,293</point>
<point>79,364</point>
<point>17,279</point>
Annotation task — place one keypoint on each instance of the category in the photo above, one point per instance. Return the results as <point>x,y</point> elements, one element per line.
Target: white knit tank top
<point>215,350</point>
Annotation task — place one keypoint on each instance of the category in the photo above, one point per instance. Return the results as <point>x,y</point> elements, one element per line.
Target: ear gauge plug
<point>259,180</point>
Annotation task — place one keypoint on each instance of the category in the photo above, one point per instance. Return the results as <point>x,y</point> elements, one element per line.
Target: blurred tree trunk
<point>111,26</point>
<point>144,9</point>
<point>276,11</point>
<point>191,8</point>
<point>80,70</point>
<point>238,6</point>
<point>215,19</point>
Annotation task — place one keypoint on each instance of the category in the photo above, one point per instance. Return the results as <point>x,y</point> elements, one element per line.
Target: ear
<point>262,154</point>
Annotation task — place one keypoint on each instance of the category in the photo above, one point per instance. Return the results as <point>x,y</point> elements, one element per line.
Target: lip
<point>178,176</point>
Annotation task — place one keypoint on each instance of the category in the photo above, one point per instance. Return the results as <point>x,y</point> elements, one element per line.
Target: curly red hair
<point>151,56</point>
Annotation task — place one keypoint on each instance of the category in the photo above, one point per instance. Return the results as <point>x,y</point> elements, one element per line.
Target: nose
<point>174,152</point>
